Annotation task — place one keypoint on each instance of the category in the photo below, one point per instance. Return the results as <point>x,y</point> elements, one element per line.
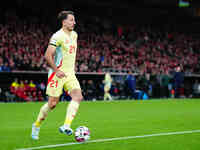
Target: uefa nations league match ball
<point>82,134</point>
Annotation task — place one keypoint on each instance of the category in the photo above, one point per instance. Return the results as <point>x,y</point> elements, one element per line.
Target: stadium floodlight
<point>184,3</point>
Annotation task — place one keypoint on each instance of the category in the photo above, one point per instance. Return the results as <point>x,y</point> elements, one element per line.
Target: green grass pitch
<point>106,120</point>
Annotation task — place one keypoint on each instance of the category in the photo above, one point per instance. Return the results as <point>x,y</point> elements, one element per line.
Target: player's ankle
<point>66,126</point>
<point>37,124</point>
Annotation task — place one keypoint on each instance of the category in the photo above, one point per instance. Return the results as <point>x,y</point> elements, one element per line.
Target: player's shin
<point>71,112</point>
<point>42,114</point>
<point>109,96</point>
<point>105,95</point>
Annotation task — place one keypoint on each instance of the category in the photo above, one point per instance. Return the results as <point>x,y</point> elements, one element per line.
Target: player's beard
<point>70,28</point>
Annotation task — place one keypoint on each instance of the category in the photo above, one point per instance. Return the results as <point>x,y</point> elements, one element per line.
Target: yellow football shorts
<point>55,85</point>
<point>107,87</point>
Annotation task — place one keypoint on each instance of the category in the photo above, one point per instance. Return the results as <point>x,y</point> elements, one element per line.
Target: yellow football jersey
<point>66,46</point>
<point>108,78</point>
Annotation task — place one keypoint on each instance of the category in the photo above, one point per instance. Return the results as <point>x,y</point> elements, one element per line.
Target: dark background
<point>126,11</point>
<point>165,15</point>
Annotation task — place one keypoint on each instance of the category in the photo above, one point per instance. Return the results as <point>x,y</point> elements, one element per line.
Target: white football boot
<point>66,130</point>
<point>35,132</point>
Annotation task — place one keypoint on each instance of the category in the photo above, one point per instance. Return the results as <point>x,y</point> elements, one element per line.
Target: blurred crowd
<point>24,91</point>
<point>128,86</point>
<point>22,45</point>
<point>103,46</point>
<point>153,53</point>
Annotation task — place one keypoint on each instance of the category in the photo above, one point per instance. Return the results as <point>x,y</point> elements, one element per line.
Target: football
<point>82,134</point>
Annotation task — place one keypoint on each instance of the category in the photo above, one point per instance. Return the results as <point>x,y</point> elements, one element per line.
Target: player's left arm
<point>76,37</point>
<point>111,79</point>
<point>50,53</point>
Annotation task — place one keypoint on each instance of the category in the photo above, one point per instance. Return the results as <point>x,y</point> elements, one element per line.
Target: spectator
<point>32,86</point>
<point>9,96</point>
<point>26,86</point>
<point>196,89</point>
<point>40,96</point>
<point>91,90</point>
<point>131,84</point>
<point>165,78</point>
<point>101,50</point>
<point>14,87</point>
<point>42,87</point>
<point>178,80</point>
<point>5,67</point>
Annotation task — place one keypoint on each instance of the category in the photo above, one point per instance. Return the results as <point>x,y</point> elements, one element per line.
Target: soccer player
<point>107,85</point>
<point>60,55</point>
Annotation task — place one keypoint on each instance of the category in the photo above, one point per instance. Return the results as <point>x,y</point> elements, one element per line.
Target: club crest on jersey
<point>67,41</point>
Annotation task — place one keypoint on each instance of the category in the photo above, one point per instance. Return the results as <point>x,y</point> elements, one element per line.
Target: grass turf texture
<point>106,120</point>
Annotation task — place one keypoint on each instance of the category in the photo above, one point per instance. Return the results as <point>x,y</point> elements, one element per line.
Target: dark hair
<point>63,15</point>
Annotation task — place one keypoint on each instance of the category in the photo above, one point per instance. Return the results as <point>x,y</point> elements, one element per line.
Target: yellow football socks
<point>37,123</point>
<point>107,95</point>
<point>42,114</point>
<point>71,112</point>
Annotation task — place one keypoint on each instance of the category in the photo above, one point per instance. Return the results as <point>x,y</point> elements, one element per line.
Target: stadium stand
<point>104,45</point>
<point>23,45</point>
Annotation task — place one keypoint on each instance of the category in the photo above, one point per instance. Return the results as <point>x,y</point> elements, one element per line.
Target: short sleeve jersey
<point>108,79</point>
<point>66,46</point>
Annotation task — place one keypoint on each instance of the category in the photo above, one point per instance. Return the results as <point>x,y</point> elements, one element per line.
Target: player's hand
<point>60,74</point>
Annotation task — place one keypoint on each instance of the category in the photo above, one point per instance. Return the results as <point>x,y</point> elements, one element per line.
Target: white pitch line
<point>111,139</point>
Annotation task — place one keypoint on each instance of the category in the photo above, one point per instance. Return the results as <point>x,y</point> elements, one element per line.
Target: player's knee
<point>53,102</point>
<point>52,105</point>
<point>78,98</point>
<point>42,119</point>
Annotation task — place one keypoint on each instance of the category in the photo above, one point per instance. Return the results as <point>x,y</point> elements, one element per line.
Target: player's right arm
<point>49,56</point>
